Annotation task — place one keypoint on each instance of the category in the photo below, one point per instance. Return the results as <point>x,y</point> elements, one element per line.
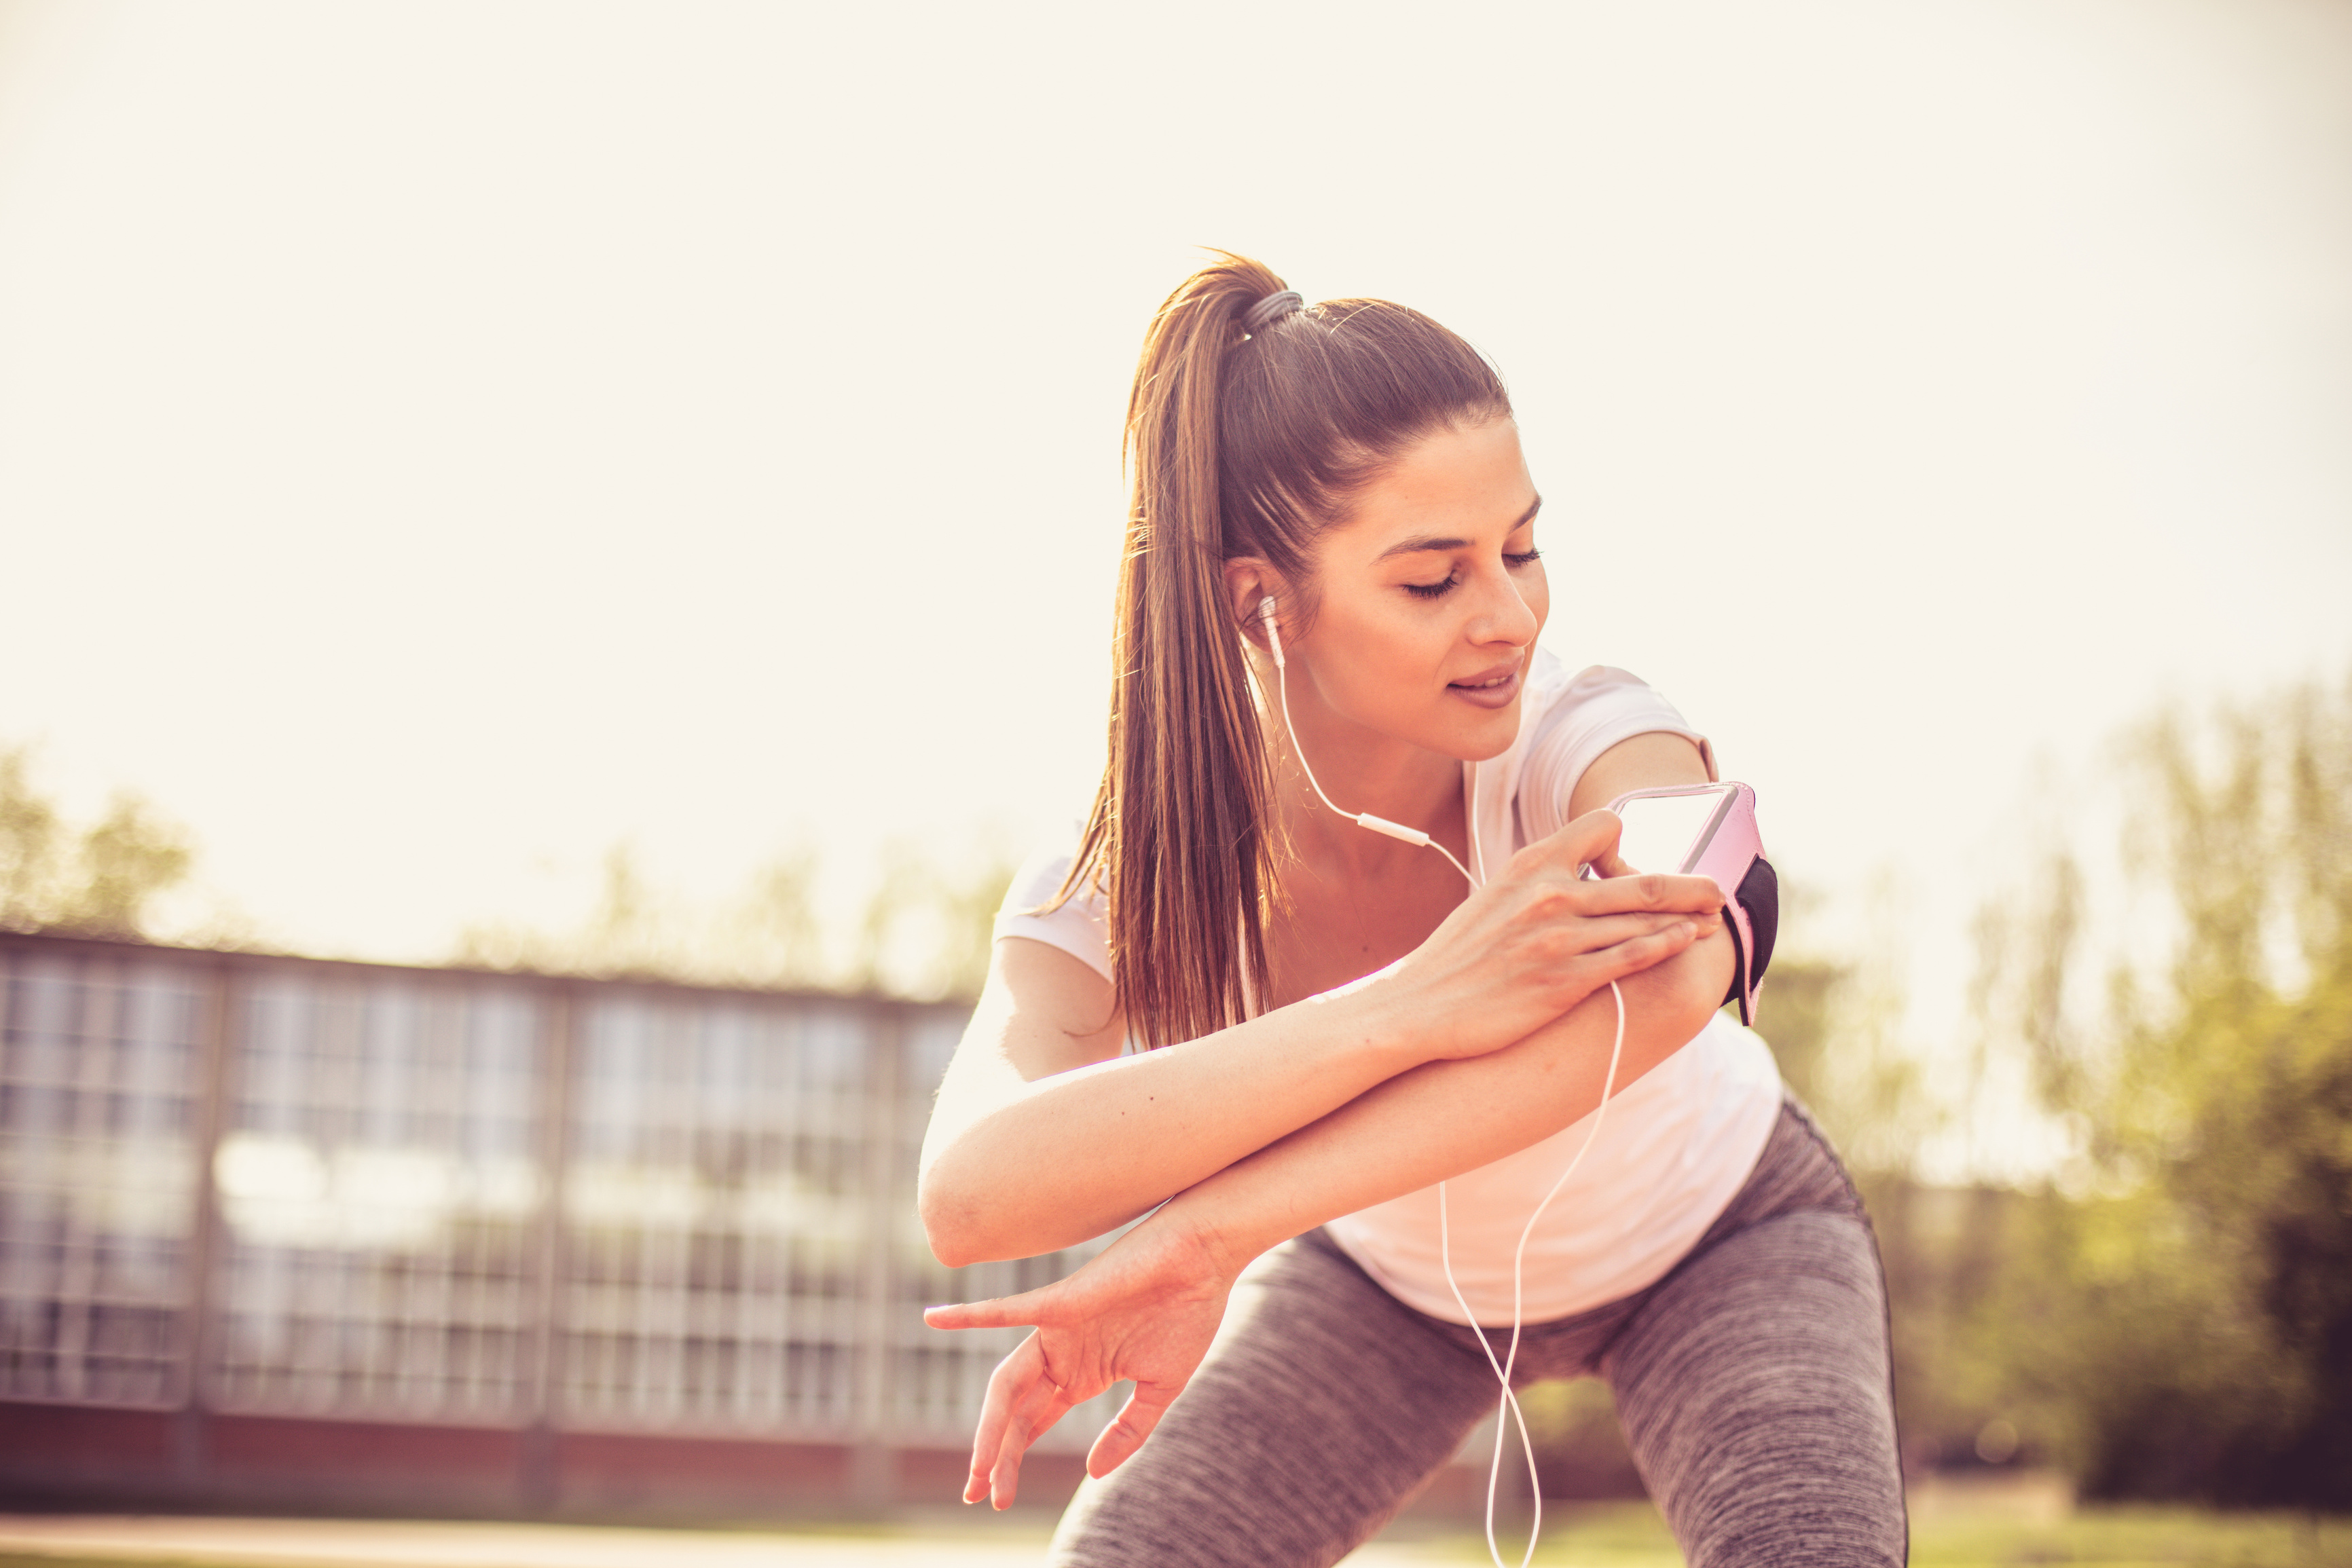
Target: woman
<point>1234,1003</point>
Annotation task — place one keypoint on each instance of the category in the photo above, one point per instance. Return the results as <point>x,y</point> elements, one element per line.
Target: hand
<point>1539,939</point>
<point>1146,1309</point>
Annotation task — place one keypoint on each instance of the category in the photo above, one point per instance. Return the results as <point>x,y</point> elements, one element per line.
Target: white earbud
<point>1272,628</point>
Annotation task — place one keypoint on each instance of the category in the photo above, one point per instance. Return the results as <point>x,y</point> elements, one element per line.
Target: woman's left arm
<point>1444,1118</point>
<point>1148,1307</point>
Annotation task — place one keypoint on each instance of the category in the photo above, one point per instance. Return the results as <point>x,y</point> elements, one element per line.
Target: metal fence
<point>253,1184</point>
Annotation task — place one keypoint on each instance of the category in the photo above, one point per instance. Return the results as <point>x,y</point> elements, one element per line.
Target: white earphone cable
<point>1503,1366</point>
<point>1361,818</point>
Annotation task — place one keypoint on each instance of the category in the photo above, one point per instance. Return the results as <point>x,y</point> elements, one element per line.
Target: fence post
<point>199,1337</point>
<point>541,1480</point>
<point>873,1466</point>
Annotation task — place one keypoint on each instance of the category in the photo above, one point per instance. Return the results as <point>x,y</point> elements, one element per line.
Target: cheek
<point>1373,666</point>
<point>1537,593</point>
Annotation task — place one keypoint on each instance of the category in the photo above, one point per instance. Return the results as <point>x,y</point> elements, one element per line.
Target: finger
<point>1026,1310</point>
<point>1036,1414</point>
<point>1007,1386</point>
<point>1609,863</point>
<point>1136,1418</point>
<point>1614,930</point>
<point>1009,1436</point>
<point>1650,890</point>
<point>1642,953</point>
<point>1588,838</point>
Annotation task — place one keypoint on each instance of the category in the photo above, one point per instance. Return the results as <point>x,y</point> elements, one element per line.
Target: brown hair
<point>1238,446</point>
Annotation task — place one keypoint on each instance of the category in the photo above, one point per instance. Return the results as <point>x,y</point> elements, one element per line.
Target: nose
<point>1503,614</point>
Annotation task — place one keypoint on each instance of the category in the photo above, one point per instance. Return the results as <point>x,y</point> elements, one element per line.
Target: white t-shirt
<point>1675,1147</point>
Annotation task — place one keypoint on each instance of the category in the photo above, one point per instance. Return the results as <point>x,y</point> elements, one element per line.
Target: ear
<point>1248,580</point>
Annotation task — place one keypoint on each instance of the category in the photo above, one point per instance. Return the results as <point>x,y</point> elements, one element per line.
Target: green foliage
<point>924,931</point>
<point>1962,1538</point>
<point>103,884</point>
<point>1832,1027</point>
<point>1834,1030</point>
<point>1580,1449</point>
<point>1946,1251</point>
<point>927,930</point>
<point>28,834</point>
<point>2019,1524</point>
<point>2177,1312</point>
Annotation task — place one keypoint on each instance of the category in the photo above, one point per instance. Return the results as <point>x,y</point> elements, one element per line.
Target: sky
<point>440,442</point>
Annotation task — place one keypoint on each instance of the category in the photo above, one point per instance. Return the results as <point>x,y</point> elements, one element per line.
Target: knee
<point>1825,1525</point>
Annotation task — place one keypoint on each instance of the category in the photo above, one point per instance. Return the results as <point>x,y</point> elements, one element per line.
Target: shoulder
<point>1582,717</point>
<point>1078,926</point>
<point>1592,710</point>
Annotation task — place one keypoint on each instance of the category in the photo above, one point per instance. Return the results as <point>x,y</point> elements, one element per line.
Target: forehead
<point>1465,482</point>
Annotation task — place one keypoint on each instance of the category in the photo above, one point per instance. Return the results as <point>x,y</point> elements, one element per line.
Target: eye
<point>1517,561</point>
<point>1434,589</point>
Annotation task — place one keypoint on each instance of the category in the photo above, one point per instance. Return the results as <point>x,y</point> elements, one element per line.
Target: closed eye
<point>1454,579</point>
<point>1434,589</point>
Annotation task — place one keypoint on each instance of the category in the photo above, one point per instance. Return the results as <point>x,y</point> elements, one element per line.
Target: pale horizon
<point>439,444</point>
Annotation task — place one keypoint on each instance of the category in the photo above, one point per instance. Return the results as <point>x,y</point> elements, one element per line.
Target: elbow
<point>949,1222</point>
<point>944,1226</point>
<point>1683,993</point>
<point>1704,983</point>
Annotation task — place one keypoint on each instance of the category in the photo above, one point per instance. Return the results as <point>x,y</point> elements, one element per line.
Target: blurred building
<point>279,1232</point>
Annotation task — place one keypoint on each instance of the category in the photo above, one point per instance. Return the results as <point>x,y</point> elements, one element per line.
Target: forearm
<point>1443,1118</point>
<point>1073,1154</point>
<point>1044,1137</point>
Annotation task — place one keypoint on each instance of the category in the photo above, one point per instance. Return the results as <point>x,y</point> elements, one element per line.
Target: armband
<point>1730,849</point>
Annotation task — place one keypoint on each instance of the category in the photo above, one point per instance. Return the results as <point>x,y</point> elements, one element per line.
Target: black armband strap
<point>1759,899</point>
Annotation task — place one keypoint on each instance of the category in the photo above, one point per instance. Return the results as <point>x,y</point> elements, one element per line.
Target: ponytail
<point>1239,444</point>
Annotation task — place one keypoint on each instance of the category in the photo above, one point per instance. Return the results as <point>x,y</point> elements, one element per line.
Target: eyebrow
<point>1420,542</point>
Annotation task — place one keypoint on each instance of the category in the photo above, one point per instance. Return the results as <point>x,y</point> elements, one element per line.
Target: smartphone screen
<point>1666,833</point>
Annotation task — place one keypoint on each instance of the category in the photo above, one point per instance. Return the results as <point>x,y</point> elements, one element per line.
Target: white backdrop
<point>439,441</point>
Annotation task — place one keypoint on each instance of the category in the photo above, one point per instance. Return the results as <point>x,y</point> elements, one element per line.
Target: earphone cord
<point>1509,1403</point>
<point>1378,824</point>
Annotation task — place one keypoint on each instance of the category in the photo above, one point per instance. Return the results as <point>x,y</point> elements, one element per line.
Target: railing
<point>250,1185</point>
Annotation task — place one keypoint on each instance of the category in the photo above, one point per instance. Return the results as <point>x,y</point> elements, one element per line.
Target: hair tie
<point>1270,309</point>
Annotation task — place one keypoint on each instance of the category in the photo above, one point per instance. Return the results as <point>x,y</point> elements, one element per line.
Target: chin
<point>1481,739</point>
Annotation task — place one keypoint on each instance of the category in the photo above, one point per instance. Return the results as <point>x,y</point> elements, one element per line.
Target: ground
<point>2028,1521</point>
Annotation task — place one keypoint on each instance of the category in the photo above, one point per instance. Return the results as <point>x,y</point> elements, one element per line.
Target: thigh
<point>1755,1392</point>
<point>1320,1410</point>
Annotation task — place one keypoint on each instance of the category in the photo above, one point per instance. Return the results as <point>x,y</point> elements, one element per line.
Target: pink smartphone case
<point>1734,857</point>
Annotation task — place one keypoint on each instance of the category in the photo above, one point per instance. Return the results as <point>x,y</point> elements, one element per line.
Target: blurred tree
<point>1833,1027</point>
<point>1803,995</point>
<point>2177,1317</point>
<point>779,916</point>
<point>928,931</point>
<point>126,858</point>
<point>1834,1031</point>
<point>107,886</point>
<point>1580,1452</point>
<point>29,833</point>
<point>924,931</point>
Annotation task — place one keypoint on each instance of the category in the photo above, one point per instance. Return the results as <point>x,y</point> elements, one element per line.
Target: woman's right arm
<point>1045,1135</point>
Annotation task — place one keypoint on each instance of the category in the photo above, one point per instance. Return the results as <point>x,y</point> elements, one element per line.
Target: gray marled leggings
<point>1752,1382</point>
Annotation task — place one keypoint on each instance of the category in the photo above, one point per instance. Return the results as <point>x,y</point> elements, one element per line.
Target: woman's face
<point>1429,596</point>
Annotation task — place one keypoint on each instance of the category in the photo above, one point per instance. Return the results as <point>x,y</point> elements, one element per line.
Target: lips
<point>1490,688</point>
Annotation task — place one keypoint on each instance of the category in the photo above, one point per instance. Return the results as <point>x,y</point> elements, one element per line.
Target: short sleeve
<point>1599,708</point>
<point>1078,927</point>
